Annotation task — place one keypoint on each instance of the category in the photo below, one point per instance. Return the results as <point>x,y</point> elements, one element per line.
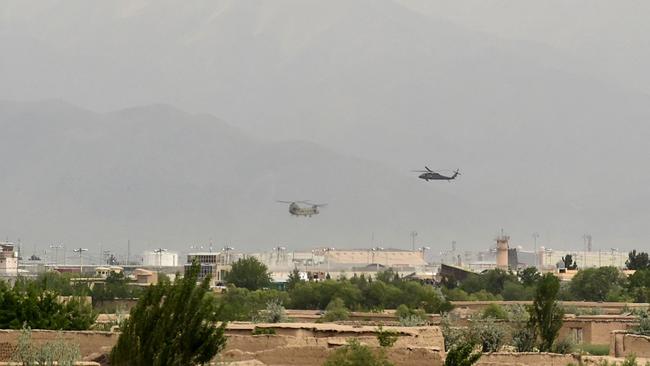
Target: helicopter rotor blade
<point>427,168</point>
<point>284,201</point>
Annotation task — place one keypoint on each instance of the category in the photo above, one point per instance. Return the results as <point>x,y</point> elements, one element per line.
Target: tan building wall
<point>623,344</point>
<point>89,341</point>
<point>383,257</point>
<point>525,358</point>
<point>595,329</point>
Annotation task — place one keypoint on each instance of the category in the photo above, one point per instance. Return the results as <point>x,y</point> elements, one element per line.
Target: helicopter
<point>429,174</point>
<point>296,210</point>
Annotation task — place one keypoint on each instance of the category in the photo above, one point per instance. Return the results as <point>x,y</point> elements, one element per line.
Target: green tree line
<point>27,305</point>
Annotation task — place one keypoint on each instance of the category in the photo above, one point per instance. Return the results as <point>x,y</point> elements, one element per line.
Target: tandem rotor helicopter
<point>429,174</point>
<point>308,210</point>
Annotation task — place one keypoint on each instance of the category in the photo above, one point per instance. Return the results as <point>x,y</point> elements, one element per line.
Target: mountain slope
<point>162,177</point>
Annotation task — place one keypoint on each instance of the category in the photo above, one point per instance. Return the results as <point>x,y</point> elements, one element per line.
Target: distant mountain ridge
<point>162,177</point>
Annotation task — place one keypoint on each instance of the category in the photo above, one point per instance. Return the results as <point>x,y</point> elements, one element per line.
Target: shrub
<point>462,354</point>
<point>411,321</point>
<point>564,346</point>
<point>336,311</point>
<point>274,313</point>
<point>59,352</point>
<point>452,334</point>
<point>263,331</point>
<point>595,349</point>
<point>356,354</point>
<point>494,311</point>
<point>488,334</point>
<point>523,339</point>
<point>630,360</point>
<point>644,325</point>
<point>386,338</point>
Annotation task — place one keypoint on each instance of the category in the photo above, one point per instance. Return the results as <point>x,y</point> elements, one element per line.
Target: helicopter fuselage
<point>435,176</point>
<point>296,210</point>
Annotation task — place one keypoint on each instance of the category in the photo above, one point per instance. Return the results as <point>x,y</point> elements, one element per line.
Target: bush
<point>462,354</point>
<point>644,325</point>
<point>630,360</point>
<point>386,338</point>
<point>523,339</point>
<point>564,346</point>
<point>336,311</point>
<point>411,321</point>
<point>494,311</point>
<point>263,331</point>
<point>452,334</point>
<point>595,349</point>
<point>356,354</point>
<point>274,313</point>
<point>488,334</point>
<point>59,352</point>
<point>410,317</point>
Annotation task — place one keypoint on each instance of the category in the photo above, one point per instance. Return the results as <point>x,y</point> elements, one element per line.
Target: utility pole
<point>413,235</point>
<point>535,237</point>
<point>159,251</point>
<point>81,259</point>
<point>56,253</point>
<point>128,251</point>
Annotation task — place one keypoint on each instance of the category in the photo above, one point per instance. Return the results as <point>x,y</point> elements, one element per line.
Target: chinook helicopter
<point>310,209</point>
<point>429,174</point>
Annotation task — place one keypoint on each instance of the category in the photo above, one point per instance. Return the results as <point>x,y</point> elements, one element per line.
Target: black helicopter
<point>429,174</point>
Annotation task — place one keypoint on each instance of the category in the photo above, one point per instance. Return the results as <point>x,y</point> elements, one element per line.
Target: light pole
<point>81,259</point>
<point>159,251</point>
<point>227,251</point>
<point>327,250</point>
<point>535,237</point>
<point>56,252</point>
<point>414,234</point>
<point>376,249</point>
<point>423,250</point>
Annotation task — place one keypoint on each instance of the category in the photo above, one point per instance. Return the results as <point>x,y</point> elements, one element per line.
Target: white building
<point>159,258</point>
<point>550,258</point>
<point>8,260</point>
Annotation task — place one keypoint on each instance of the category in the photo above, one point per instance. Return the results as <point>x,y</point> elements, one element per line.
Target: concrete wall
<point>623,344</point>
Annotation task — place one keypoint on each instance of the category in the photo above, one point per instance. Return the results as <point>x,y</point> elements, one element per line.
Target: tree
<point>249,273</point>
<point>27,304</point>
<point>637,261</point>
<point>172,324</point>
<point>545,313</point>
<point>595,284</point>
<point>294,279</point>
<point>529,276</point>
<point>462,355</point>
<point>639,285</point>
<point>356,354</point>
<point>569,263</point>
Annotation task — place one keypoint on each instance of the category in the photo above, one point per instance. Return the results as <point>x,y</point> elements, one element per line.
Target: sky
<point>543,106</point>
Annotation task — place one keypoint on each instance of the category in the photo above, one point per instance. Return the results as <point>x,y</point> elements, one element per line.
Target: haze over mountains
<point>333,101</point>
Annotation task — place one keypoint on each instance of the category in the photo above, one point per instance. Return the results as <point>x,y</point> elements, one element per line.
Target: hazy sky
<point>542,105</point>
